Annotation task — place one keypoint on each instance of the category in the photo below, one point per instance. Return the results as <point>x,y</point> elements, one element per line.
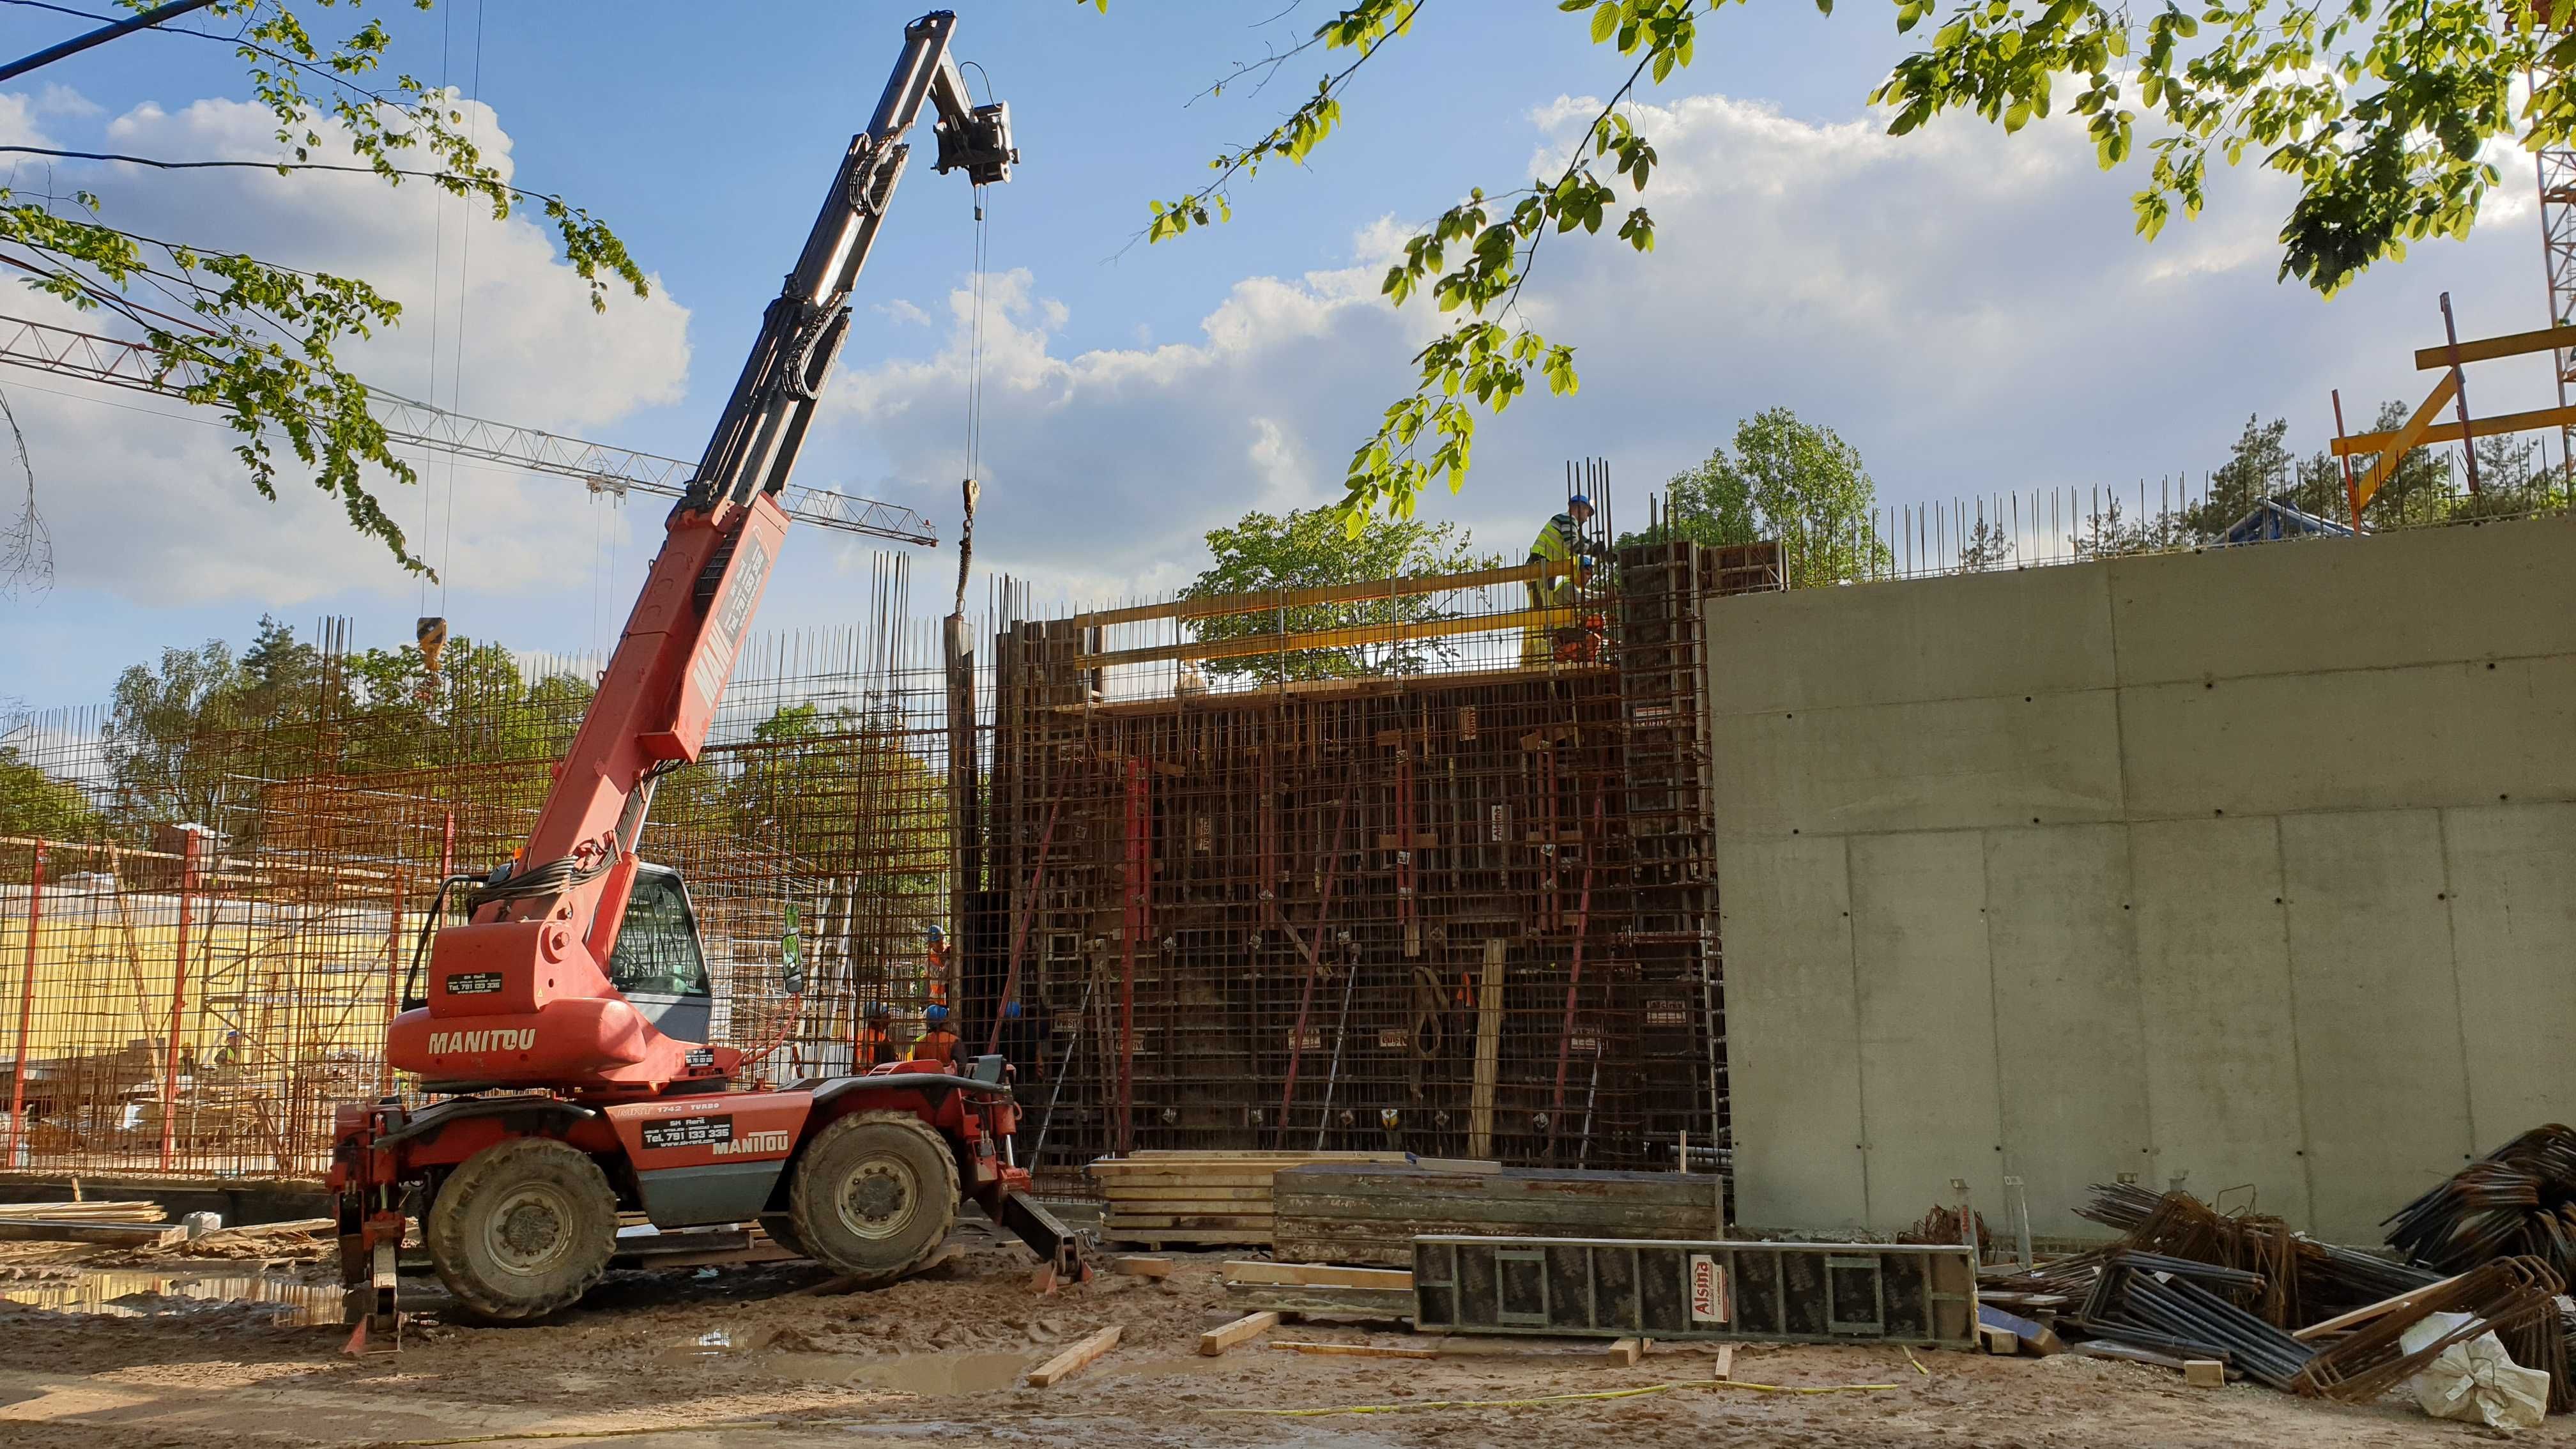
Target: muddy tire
<point>874,1196</point>
<point>522,1229</point>
<point>781,1228</point>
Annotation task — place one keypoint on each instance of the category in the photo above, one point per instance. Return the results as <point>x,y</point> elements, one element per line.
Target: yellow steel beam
<point>2512,344</point>
<point>1267,599</point>
<point>2406,439</point>
<point>1350,637</point>
<point>2365,443</point>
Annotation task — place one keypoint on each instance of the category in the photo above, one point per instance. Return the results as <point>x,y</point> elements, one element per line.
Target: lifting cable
<point>464,292</point>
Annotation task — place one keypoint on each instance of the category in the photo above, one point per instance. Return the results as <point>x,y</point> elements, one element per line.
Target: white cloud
<point>1970,308</point>
<point>157,511</point>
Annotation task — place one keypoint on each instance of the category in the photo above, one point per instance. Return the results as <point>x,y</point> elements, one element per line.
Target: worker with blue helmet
<point>938,1043</point>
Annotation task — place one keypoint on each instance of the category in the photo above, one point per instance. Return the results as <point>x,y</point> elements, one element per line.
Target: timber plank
<point>121,1235</point>
<point>1250,1326</point>
<point>1323,1301</point>
<point>1157,1239</point>
<point>1073,1360</point>
<point>1316,1275</point>
<point>1170,1222</point>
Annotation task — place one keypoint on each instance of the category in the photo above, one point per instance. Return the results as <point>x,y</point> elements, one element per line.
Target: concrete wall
<point>2255,868</point>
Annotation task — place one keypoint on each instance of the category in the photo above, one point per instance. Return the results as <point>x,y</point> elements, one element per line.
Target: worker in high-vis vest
<point>1562,541</point>
<point>874,1047</point>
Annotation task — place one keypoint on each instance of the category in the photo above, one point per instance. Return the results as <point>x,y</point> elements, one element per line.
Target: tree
<point>35,803</point>
<point>1989,546</point>
<point>1308,547</point>
<point>2377,110</point>
<point>1797,482</point>
<point>255,337</point>
<point>196,731</point>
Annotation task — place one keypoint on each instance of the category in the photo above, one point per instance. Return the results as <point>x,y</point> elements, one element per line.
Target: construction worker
<point>938,1044</point>
<point>1562,541</point>
<point>874,1047</point>
<point>1023,1044</point>
<point>935,966</point>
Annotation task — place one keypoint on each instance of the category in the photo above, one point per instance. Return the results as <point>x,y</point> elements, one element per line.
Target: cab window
<point>657,947</point>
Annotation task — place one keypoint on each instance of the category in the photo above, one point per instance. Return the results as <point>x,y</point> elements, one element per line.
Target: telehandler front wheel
<point>874,1196</point>
<point>522,1229</point>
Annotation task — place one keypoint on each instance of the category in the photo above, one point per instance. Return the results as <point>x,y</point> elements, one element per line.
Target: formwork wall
<point>2252,869</point>
<point>1457,905</point>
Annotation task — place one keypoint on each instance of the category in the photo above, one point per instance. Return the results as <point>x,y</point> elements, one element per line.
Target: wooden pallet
<point>1221,1199</point>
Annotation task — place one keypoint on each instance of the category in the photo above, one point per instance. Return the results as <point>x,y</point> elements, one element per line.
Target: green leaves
<point>2383,139</point>
<point>256,340</point>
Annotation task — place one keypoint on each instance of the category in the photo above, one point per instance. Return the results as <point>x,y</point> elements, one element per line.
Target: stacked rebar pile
<point>2519,1199</point>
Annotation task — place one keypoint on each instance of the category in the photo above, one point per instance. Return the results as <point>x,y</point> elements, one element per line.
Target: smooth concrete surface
<point>2253,869</point>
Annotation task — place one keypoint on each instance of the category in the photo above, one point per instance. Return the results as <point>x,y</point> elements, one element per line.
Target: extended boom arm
<point>520,995</point>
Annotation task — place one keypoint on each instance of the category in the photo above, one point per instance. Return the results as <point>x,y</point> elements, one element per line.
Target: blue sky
<point>1970,310</point>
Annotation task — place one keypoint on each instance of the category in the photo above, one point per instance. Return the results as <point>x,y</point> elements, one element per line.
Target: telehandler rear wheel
<point>875,1194</point>
<point>522,1229</point>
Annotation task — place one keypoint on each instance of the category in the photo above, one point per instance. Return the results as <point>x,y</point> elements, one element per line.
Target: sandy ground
<point>735,1357</point>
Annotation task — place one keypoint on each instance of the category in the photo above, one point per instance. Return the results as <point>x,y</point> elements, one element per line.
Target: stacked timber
<point>1370,1213</point>
<point>114,1224</point>
<point>1163,1199</point>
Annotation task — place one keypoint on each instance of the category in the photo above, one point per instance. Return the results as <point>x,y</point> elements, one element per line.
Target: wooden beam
<point>1264,600</point>
<point>1348,637</point>
<point>119,1235</point>
<point>1073,1360</point>
<point>2512,344</point>
<point>1625,1352</point>
<point>1243,1330</point>
<point>1356,1350</point>
<point>1141,1267</point>
<point>2406,439</point>
<point>2500,424</point>
<point>1318,1275</point>
<point>2369,1311</point>
<point>1489,1051</point>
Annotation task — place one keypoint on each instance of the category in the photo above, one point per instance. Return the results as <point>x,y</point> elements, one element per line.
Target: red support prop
<point>393,980</point>
<point>178,999</point>
<point>26,1012</point>
<point>1574,978</point>
<point>1314,968</point>
<point>1139,865</point>
<point>1020,932</point>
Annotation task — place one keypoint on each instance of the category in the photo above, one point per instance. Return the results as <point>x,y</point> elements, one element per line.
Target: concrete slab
<point>1929,1072</point>
<point>2499,591</point>
<point>1946,764</point>
<point>2512,883</point>
<point>2034,631</point>
<point>2222,1059</point>
<point>2382,1072</point>
<point>2058,920</point>
<point>1793,1034</point>
<point>2436,734</point>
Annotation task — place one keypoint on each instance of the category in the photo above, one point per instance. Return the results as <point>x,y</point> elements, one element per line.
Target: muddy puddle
<point>132,1293</point>
<point>928,1374</point>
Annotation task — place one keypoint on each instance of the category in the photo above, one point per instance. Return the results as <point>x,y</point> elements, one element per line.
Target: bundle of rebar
<point>2305,1281</point>
<point>2176,1305</point>
<point>2514,1298</point>
<point>2517,1200</point>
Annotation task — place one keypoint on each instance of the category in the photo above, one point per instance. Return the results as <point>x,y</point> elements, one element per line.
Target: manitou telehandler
<point>562,1031</point>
